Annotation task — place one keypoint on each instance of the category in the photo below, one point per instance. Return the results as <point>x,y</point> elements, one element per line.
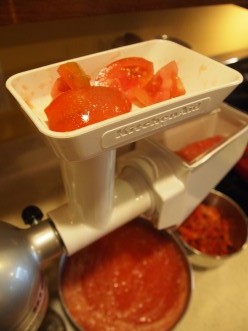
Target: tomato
<point>74,109</point>
<point>126,74</point>
<point>164,85</point>
<point>195,149</point>
<point>241,166</point>
<point>73,75</point>
<point>134,278</point>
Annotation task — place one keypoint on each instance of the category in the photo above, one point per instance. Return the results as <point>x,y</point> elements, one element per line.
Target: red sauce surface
<point>208,231</point>
<point>135,278</point>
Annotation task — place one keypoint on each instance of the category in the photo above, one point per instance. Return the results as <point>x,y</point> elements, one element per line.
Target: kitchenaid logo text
<point>157,121</point>
<point>161,120</point>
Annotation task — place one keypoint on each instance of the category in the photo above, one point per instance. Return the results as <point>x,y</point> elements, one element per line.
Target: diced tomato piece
<point>177,88</point>
<point>126,74</point>
<point>73,75</point>
<point>74,109</point>
<point>164,85</point>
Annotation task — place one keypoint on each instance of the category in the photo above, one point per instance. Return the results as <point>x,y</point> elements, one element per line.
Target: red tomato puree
<point>135,278</point>
<point>197,148</point>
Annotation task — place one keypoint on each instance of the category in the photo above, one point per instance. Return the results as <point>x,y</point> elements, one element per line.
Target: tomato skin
<point>75,109</point>
<point>126,74</point>
<point>164,85</point>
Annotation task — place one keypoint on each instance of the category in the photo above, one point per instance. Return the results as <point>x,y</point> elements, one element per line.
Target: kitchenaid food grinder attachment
<point>101,196</point>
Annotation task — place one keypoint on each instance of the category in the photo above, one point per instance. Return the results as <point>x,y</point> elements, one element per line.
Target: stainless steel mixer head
<point>23,255</point>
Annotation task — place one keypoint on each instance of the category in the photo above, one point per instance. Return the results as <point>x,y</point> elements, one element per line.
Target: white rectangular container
<point>207,84</point>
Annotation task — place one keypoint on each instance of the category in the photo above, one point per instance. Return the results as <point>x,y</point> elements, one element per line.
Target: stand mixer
<point>104,191</point>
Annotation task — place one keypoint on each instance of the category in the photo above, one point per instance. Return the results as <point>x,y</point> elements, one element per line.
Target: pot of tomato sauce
<point>135,278</point>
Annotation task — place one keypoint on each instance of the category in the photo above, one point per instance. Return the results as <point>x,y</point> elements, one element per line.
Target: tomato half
<point>135,278</point>
<point>75,109</point>
<point>164,85</point>
<point>126,74</point>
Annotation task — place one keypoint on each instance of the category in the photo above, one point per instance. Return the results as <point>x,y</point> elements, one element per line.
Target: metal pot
<point>62,269</point>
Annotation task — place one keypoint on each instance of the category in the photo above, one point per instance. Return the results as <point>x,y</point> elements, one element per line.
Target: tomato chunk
<point>126,74</point>
<point>75,109</point>
<point>73,75</point>
<point>164,85</point>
